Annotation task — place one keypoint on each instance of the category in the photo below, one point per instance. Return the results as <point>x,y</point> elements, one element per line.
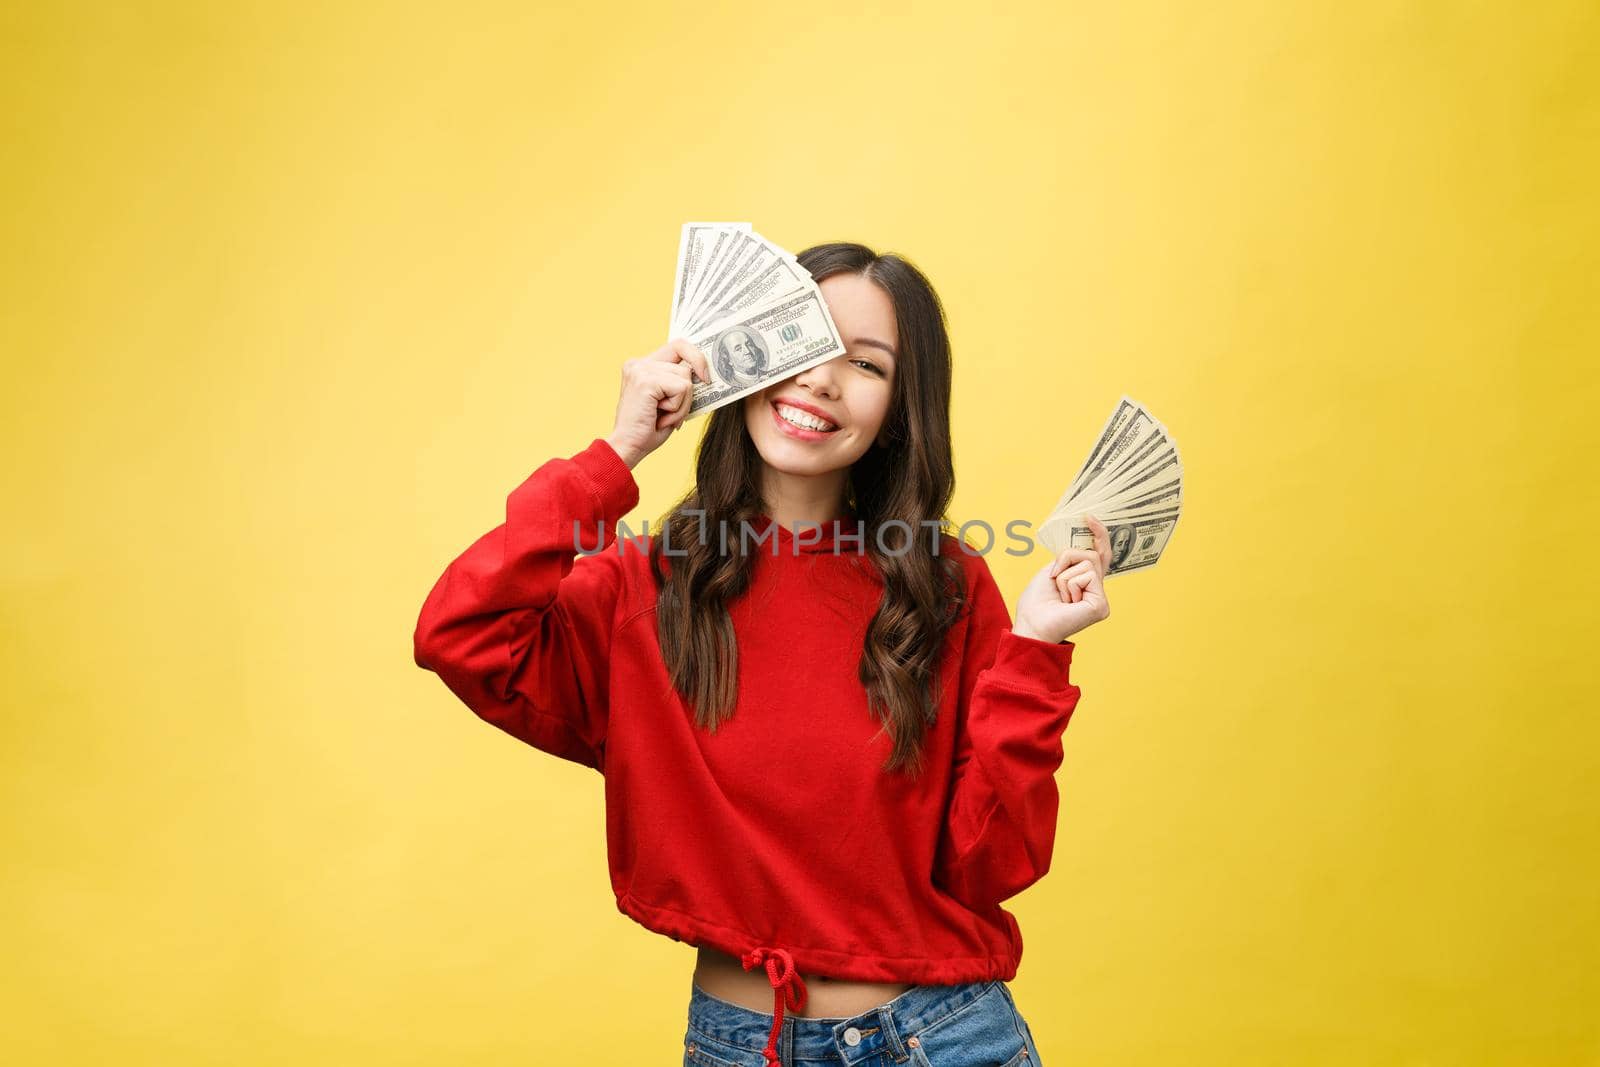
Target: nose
<point>821,379</point>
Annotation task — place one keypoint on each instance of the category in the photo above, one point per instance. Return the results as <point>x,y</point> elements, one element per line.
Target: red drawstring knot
<point>780,972</point>
<point>787,985</point>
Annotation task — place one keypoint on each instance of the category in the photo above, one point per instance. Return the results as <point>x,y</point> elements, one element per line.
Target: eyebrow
<point>870,343</point>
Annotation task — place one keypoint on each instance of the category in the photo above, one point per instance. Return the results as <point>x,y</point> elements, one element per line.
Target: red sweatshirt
<point>778,838</point>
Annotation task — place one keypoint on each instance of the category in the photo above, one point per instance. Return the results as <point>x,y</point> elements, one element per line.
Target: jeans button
<point>852,1036</point>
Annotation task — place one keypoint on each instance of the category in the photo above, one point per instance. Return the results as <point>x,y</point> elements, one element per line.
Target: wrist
<point>1024,631</point>
<point>625,452</point>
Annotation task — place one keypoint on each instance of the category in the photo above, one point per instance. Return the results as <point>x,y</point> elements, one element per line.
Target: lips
<point>810,409</point>
<point>798,433</point>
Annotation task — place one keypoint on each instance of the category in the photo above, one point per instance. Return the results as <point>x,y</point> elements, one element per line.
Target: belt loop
<point>786,1041</point>
<point>891,1034</point>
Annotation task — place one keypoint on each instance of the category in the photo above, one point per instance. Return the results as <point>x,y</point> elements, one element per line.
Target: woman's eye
<point>867,363</point>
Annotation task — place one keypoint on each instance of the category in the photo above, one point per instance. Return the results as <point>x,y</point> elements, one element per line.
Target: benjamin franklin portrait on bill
<point>1121,542</point>
<point>741,357</point>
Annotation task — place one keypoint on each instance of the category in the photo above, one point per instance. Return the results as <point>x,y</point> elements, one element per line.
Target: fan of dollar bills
<point>1132,482</point>
<point>750,307</point>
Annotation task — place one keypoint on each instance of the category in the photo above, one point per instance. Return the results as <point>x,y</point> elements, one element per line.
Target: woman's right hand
<point>656,392</point>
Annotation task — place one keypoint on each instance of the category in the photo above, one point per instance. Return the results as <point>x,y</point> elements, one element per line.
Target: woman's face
<point>851,392</point>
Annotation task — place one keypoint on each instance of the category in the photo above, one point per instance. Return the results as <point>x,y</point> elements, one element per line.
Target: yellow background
<point>295,295</point>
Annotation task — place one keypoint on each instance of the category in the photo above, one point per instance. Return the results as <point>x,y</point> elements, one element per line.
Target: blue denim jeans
<point>975,1024</point>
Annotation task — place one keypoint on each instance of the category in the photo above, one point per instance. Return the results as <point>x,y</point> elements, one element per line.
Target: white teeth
<point>803,419</point>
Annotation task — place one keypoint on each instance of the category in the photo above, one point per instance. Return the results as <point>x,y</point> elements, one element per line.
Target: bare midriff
<point>725,978</point>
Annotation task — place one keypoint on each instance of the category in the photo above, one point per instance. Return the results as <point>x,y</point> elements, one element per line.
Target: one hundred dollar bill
<point>695,244</point>
<point>754,348</point>
<point>782,278</point>
<point>736,276</point>
<point>717,240</point>
<point>1129,425</point>
<point>1132,482</point>
<point>1136,543</point>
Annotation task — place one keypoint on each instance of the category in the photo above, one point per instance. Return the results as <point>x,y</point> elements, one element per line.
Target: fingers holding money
<point>1102,542</point>
<point>1075,570</point>
<point>681,351</point>
<point>1071,556</point>
<point>1071,582</point>
<point>673,396</point>
<point>674,368</point>
<point>657,393</point>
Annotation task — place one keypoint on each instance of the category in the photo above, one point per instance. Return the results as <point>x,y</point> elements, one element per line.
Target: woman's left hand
<point>1067,594</point>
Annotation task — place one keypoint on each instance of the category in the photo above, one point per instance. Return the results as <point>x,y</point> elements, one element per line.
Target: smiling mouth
<point>803,419</point>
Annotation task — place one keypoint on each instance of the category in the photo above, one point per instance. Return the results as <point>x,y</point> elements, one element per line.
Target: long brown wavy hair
<point>910,478</point>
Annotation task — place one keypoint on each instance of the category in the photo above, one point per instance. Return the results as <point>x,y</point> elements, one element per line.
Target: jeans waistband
<point>877,1030</point>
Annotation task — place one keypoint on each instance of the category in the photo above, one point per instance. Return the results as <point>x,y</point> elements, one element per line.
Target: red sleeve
<point>519,626</point>
<point>1014,704</point>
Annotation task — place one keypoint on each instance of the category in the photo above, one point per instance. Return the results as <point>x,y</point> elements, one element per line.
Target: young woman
<point>828,751</point>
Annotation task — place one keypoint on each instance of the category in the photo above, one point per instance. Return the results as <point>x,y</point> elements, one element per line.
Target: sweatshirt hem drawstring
<point>787,985</point>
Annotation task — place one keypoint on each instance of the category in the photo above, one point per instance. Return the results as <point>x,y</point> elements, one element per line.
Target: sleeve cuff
<point>609,478</point>
<point>1027,662</point>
